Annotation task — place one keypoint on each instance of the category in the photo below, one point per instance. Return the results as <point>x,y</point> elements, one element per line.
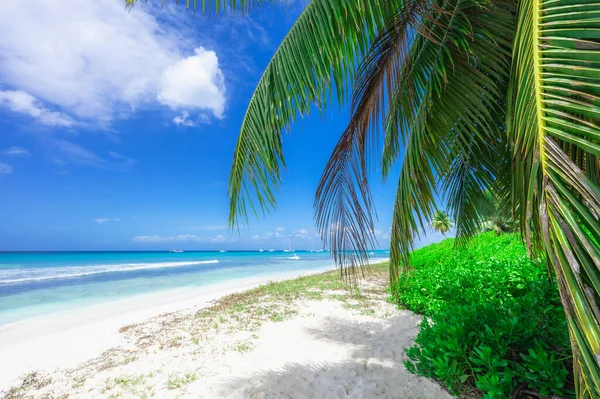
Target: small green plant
<point>180,382</point>
<point>128,360</point>
<point>277,317</point>
<point>243,347</point>
<point>78,381</point>
<point>493,321</point>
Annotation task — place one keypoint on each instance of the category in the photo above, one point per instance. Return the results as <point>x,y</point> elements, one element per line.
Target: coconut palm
<point>495,217</point>
<point>465,95</point>
<point>441,222</point>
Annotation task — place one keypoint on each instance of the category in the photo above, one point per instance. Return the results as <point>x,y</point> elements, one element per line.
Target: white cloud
<point>183,120</point>
<point>5,169</point>
<point>25,103</point>
<point>17,151</point>
<point>279,233</point>
<point>122,160</point>
<point>380,233</point>
<point>179,238</point>
<point>305,234</point>
<point>64,151</point>
<point>105,220</point>
<point>218,238</point>
<point>93,59</point>
<point>194,82</point>
<point>273,234</point>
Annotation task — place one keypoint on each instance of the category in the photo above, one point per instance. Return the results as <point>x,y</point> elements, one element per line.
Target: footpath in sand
<point>302,338</point>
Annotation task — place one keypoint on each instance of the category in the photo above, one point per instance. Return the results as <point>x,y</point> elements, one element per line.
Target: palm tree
<point>495,217</point>
<point>441,222</point>
<point>466,95</point>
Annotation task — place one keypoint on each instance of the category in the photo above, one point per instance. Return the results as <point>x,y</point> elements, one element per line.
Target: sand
<point>330,347</point>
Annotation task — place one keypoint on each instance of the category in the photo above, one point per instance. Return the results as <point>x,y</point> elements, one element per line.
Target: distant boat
<point>260,250</point>
<point>313,247</point>
<point>289,246</point>
<point>271,250</point>
<point>177,251</point>
<point>222,250</point>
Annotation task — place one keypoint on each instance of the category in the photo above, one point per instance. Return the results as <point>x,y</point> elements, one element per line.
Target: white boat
<point>289,246</point>
<point>222,250</point>
<point>177,251</point>
<point>295,257</point>
<point>271,250</point>
<point>313,247</point>
<point>260,250</point>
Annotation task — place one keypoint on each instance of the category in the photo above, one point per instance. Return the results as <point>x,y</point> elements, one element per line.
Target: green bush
<point>493,321</point>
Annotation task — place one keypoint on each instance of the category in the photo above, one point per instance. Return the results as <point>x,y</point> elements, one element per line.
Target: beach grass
<point>277,301</point>
<point>271,302</point>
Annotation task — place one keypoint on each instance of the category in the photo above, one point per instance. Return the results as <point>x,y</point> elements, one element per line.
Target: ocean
<point>39,283</point>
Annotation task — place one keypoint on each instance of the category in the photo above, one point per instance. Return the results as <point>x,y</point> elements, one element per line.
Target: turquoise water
<point>39,283</point>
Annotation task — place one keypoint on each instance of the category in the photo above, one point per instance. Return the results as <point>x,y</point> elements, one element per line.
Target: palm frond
<point>469,176</point>
<point>343,203</point>
<point>316,62</point>
<point>458,86</point>
<point>554,126</point>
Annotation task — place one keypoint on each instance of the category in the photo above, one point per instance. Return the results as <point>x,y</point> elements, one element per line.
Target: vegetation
<point>476,95</point>
<point>494,322</point>
<point>495,217</point>
<point>441,222</point>
<point>180,382</point>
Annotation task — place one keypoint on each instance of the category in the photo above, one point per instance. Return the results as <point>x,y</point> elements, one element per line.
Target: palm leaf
<point>458,85</point>
<point>316,62</point>
<point>554,122</point>
<point>343,203</point>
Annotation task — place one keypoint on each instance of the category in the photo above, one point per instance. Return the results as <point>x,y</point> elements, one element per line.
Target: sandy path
<point>333,353</point>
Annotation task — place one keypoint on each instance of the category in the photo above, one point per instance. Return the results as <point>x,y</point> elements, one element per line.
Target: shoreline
<point>68,338</point>
<point>305,337</point>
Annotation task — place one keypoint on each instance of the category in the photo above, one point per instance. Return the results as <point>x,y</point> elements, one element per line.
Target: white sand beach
<point>318,344</point>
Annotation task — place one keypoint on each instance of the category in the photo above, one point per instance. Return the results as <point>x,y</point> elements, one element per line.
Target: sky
<point>117,129</point>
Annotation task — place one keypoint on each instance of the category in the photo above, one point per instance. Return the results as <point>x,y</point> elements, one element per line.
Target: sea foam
<point>40,274</point>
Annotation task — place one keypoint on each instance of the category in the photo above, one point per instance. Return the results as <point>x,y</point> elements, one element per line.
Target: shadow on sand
<point>375,368</point>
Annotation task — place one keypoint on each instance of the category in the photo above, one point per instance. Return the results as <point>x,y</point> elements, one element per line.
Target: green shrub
<point>493,321</point>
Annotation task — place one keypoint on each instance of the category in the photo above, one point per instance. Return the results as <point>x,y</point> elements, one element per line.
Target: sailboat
<point>289,246</point>
<point>313,247</point>
<point>177,251</point>
<point>260,250</point>
<point>222,250</point>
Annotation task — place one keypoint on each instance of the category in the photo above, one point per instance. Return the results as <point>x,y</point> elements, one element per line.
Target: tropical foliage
<point>441,222</point>
<point>467,95</point>
<point>495,217</point>
<point>493,321</point>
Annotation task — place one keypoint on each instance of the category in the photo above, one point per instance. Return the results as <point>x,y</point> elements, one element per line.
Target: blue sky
<point>118,129</point>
